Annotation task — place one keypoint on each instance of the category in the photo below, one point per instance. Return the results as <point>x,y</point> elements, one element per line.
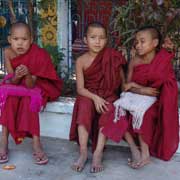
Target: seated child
<point>151,100</point>
<point>99,75</point>
<point>30,83</point>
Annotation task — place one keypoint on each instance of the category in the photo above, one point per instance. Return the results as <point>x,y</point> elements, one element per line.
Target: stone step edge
<point>63,105</point>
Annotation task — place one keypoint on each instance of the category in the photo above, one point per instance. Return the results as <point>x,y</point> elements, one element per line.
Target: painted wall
<point>55,31</point>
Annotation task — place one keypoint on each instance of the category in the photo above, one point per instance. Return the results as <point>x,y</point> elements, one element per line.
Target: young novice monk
<point>30,83</point>
<point>154,112</point>
<point>99,75</point>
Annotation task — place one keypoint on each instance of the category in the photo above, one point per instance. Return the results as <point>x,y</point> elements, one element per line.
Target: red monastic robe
<point>160,128</point>
<point>17,115</point>
<point>103,79</point>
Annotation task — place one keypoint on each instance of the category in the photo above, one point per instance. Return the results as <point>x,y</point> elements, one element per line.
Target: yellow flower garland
<point>49,35</point>
<point>49,26</point>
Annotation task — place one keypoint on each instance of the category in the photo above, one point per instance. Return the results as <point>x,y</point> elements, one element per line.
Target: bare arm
<point>99,102</point>
<point>130,70</point>
<point>146,91</point>
<point>8,55</point>
<point>131,85</point>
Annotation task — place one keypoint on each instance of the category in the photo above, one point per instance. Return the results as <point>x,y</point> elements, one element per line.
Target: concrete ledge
<point>58,120</point>
<point>63,105</point>
<point>55,120</point>
<point>55,124</point>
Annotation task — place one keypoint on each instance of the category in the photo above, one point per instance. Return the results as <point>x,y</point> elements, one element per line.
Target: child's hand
<point>168,44</point>
<point>100,104</point>
<point>18,74</point>
<point>127,86</point>
<point>24,69</point>
<point>149,91</point>
<point>21,71</point>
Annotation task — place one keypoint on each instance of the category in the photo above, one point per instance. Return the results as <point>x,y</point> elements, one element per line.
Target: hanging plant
<point>163,14</point>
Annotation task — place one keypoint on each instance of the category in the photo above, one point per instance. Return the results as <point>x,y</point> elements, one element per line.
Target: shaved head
<point>155,33</point>
<point>20,25</point>
<point>94,25</point>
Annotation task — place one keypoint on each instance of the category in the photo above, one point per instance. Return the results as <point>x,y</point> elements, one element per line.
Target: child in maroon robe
<point>150,73</point>
<point>99,75</point>
<point>32,82</point>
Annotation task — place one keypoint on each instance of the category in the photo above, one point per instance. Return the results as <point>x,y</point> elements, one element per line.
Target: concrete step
<point>55,120</point>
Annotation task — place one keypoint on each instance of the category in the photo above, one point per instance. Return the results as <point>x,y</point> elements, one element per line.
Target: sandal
<point>40,158</point>
<point>4,157</point>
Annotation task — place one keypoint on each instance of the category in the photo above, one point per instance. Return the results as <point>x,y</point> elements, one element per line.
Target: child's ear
<point>9,39</point>
<point>156,42</point>
<point>85,40</point>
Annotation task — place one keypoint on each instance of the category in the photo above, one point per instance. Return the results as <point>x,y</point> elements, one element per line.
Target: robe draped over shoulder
<point>17,114</point>
<point>101,78</point>
<point>160,127</point>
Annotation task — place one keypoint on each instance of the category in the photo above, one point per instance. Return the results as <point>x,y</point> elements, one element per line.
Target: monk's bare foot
<point>144,162</point>
<point>80,163</point>
<point>97,162</point>
<point>136,157</point>
<point>145,159</point>
<point>4,150</point>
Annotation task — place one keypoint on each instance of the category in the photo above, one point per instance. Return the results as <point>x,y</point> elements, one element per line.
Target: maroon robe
<point>160,127</point>
<point>17,115</point>
<point>101,78</point>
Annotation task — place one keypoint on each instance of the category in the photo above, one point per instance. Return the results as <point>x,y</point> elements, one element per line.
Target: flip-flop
<point>40,158</point>
<point>4,157</point>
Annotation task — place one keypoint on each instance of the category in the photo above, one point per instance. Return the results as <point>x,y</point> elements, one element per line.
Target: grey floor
<point>62,153</point>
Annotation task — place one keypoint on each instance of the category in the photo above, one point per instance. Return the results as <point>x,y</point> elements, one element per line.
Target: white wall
<point>62,30</point>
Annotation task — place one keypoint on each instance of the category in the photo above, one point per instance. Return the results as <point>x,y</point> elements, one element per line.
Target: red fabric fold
<point>160,128</point>
<point>17,115</point>
<point>103,79</point>
<point>40,64</point>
